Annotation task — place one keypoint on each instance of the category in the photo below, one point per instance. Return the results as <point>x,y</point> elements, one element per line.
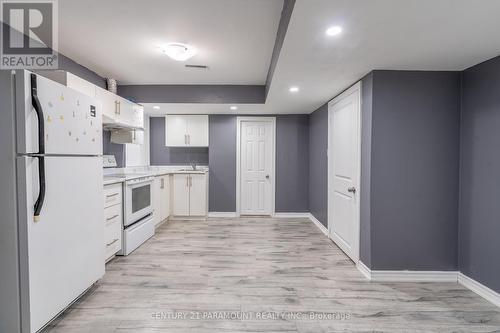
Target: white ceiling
<point>119,38</point>
<point>382,34</point>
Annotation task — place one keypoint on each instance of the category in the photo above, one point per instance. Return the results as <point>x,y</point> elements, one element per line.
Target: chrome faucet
<point>193,165</point>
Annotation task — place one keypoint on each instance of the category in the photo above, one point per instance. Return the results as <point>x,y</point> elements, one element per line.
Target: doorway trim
<point>356,88</point>
<point>239,121</point>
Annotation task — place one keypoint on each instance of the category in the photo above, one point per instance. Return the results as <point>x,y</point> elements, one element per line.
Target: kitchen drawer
<point>112,230</point>
<point>113,214</point>
<point>112,194</point>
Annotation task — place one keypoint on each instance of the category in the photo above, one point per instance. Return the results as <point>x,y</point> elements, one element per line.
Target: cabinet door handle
<point>187,181</point>
<point>116,107</point>
<point>119,107</point>
<point>114,241</point>
<point>162,183</point>
<point>189,139</point>
<point>112,195</point>
<point>185,139</point>
<point>190,181</point>
<point>112,217</point>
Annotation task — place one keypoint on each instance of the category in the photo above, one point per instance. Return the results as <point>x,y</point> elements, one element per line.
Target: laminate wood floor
<point>262,275</point>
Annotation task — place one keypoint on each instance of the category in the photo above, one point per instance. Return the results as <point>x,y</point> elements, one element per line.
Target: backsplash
<point>162,155</point>
<point>110,148</point>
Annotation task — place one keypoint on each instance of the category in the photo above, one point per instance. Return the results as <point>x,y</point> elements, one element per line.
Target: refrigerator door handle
<point>41,148</point>
<point>41,193</point>
<point>39,112</point>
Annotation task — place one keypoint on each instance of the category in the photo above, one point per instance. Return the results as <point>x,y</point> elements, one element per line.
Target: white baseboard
<point>291,215</point>
<point>414,276</point>
<point>320,226</point>
<point>222,214</point>
<point>480,289</point>
<point>309,216</point>
<point>367,273</point>
<point>431,276</point>
<point>406,276</point>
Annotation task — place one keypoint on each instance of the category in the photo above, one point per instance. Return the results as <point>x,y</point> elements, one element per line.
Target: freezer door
<point>72,121</point>
<point>64,250</point>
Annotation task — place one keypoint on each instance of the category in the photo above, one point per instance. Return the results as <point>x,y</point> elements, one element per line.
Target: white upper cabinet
<point>138,115</point>
<point>109,105</point>
<point>71,81</point>
<point>117,111</point>
<point>176,131</point>
<point>186,130</point>
<point>80,85</point>
<point>120,111</point>
<point>197,131</point>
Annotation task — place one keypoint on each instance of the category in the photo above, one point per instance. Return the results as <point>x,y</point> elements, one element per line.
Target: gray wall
<point>292,166</point>
<point>292,136</point>
<point>9,285</point>
<point>109,148</point>
<point>414,170</point>
<point>318,164</point>
<point>291,163</point>
<point>222,163</point>
<point>69,65</point>
<point>479,227</point>
<point>159,154</point>
<point>237,94</point>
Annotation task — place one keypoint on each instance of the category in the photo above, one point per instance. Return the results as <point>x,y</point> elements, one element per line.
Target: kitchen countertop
<point>120,175</point>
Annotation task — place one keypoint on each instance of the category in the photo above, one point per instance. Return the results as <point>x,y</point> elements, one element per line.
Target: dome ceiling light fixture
<point>179,51</point>
<point>334,31</point>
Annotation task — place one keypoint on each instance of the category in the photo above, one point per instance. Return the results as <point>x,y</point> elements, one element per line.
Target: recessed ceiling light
<point>179,51</point>
<point>234,108</point>
<point>294,89</point>
<point>156,107</point>
<point>334,31</point>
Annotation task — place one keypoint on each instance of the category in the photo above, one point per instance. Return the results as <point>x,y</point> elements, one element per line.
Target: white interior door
<point>343,171</point>
<point>256,167</point>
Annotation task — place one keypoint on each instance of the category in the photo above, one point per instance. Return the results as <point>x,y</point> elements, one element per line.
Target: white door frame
<point>356,88</point>
<point>239,121</point>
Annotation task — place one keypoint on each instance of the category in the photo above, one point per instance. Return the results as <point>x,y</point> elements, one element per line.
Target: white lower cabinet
<point>190,197</point>
<point>161,199</point>
<point>113,220</point>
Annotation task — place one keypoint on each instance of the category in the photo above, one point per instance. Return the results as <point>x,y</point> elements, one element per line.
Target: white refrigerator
<point>60,196</point>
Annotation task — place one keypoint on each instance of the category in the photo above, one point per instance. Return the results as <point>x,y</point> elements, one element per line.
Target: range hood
<point>109,124</point>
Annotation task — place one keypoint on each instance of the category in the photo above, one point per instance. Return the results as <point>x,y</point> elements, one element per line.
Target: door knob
<point>351,189</point>
<point>267,176</point>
